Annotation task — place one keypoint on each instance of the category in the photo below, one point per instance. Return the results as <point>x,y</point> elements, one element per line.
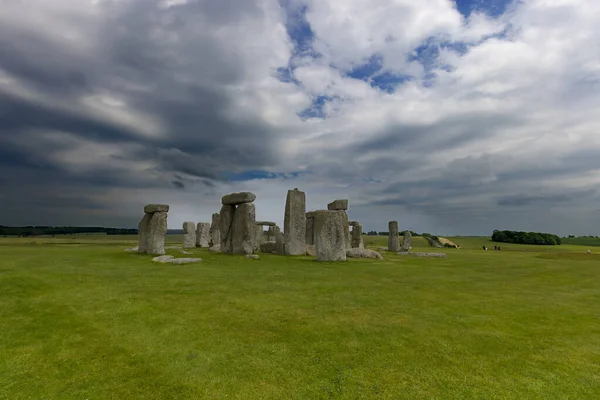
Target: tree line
<point>526,238</point>
<point>62,230</point>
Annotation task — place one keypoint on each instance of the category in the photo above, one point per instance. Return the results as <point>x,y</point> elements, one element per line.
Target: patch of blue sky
<point>493,8</point>
<point>260,174</point>
<point>317,108</point>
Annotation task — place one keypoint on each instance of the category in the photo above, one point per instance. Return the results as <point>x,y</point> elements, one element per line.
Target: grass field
<point>82,319</point>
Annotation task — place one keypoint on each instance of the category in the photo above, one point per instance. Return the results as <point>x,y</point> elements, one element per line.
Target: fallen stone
<point>203,234</point>
<point>268,247</point>
<point>253,256</point>
<point>132,250</point>
<point>157,229</point>
<point>363,253</point>
<point>185,252</point>
<point>235,199</point>
<point>185,260</point>
<point>393,239</point>
<point>330,235</point>
<point>382,248</point>
<point>243,229</point>
<point>189,235</point>
<point>172,247</point>
<point>163,259</point>
<point>152,208</point>
<point>311,250</point>
<point>338,205</point>
<point>294,223</point>
<point>215,249</point>
<point>417,254</point>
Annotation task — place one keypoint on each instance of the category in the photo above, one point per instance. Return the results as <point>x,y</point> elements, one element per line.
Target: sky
<point>454,118</point>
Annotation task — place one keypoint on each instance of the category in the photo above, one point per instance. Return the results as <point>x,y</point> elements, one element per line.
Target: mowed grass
<point>82,320</point>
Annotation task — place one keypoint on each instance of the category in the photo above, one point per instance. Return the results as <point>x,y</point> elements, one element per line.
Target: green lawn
<point>82,319</point>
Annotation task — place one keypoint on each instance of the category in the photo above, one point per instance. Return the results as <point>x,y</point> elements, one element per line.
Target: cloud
<point>453,118</point>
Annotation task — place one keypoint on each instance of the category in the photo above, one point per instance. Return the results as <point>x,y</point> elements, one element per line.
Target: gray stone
<point>243,229</point>
<point>268,247</point>
<point>347,237</point>
<point>382,248</point>
<point>265,223</point>
<point>311,250</point>
<point>393,239</point>
<point>279,242</point>
<point>271,234</point>
<point>406,241</point>
<point>225,221</point>
<point>189,235</point>
<point>152,208</point>
<point>132,250</point>
<point>215,230</point>
<point>357,237</point>
<point>253,256</point>
<point>330,235</point>
<point>163,259</point>
<point>294,223</point>
<point>352,223</point>
<point>215,249</point>
<point>310,228</point>
<point>203,234</point>
<point>143,233</point>
<point>417,254</point>
<point>338,205</point>
<point>363,253</point>
<point>259,237</point>
<point>234,199</point>
<point>184,260</point>
<point>157,229</point>
<point>185,252</point>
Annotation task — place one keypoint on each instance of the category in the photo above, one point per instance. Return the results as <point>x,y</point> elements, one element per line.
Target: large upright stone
<point>330,235</point>
<point>279,242</point>
<point>393,239</point>
<point>202,234</point>
<point>271,233</point>
<point>259,237</point>
<point>235,199</point>
<point>143,233</point>
<point>243,229</point>
<point>215,230</point>
<point>157,229</point>
<point>357,237</point>
<point>406,241</point>
<point>338,205</point>
<point>347,236</point>
<point>225,220</point>
<point>189,234</point>
<point>294,223</point>
<point>310,228</point>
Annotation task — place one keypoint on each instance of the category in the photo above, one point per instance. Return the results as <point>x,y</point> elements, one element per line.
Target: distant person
<point>589,251</point>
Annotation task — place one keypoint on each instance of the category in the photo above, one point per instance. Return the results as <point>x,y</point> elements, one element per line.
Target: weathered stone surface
<point>406,241</point>
<point>203,234</point>
<point>268,247</point>
<point>393,239</point>
<point>348,237</point>
<point>163,259</point>
<point>215,230</point>
<point>184,260</point>
<point>310,228</point>
<point>330,235</point>
<point>417,254</point>
<point>259,237</point>
<point>225,221</point>
<point>338,205</point>
<point>215,249</point>
<point>363,253</point>
<point>265,223</point>
<point>311,250</point>
<point>253,256</point>
<point>152,208</point>
<point>235,199</point>
<point>185,252</point>
<point>157,229</point>
<point>352,223</point>
<point>357,237</point>
<point>189,234</point>
<point>132,250</point>
<point>279,242</point>
<point>243,229</point>
<point>381,248</point>
<point>143,233</point>
<point>294,223</point>
<point>271,234</point>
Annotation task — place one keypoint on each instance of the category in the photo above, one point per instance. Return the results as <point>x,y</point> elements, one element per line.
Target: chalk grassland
<point>83,319</point>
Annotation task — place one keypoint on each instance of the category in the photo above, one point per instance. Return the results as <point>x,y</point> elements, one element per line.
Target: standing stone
<point>243,229</point>
<point>347,236</point>
<point>157,229</point>
<point>338,205</point>
<point>143,233</point>
<point>279,245</point>
<point>271,234</point>
<point>259,237</point>
<point>357,237</point>
<point>393,239</point>
<point>330,235</point>
<point>189,234</point>
<point>225,220</point>
<point>310,228</point>
<point>215,230</point>
<point>202,234</point>
<point>406,241</point>
<point>294,224</point>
